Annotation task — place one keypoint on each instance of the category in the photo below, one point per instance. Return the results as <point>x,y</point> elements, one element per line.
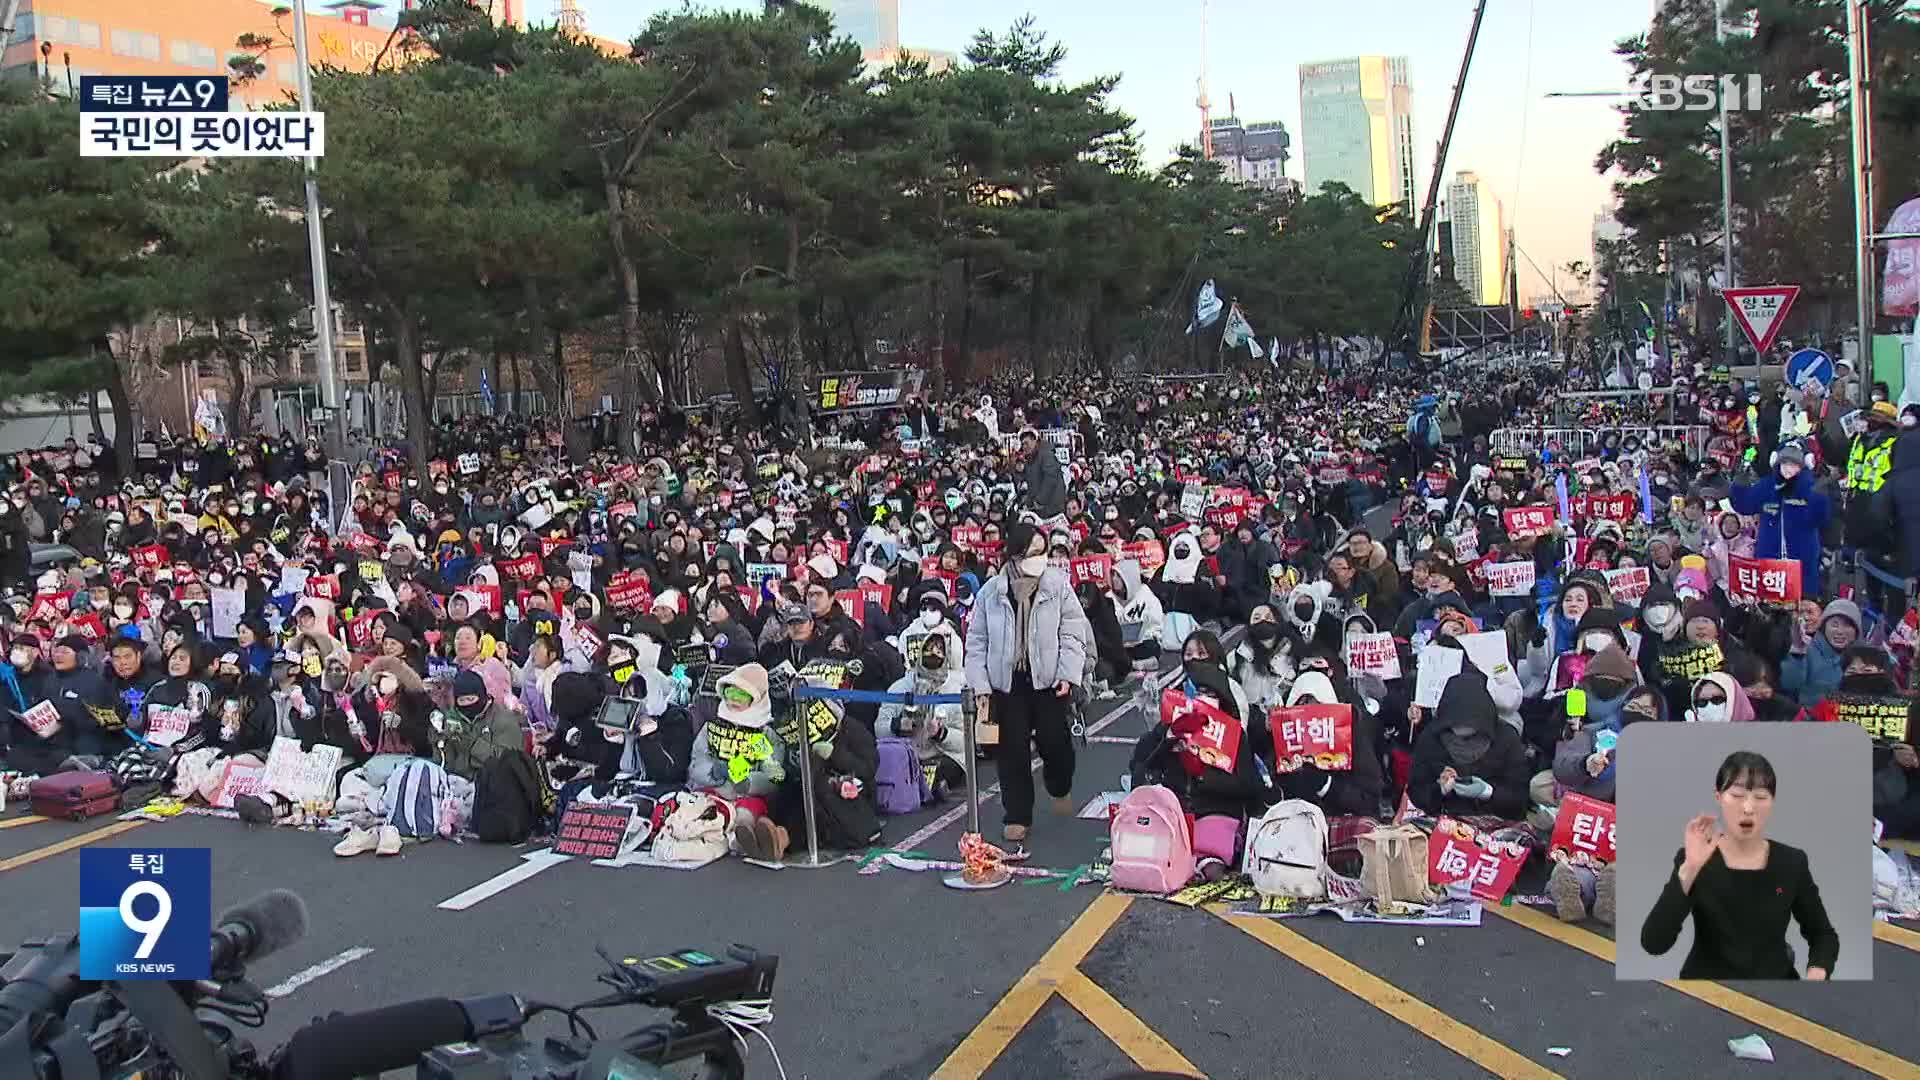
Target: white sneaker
<point>389,842</point>
<point>356,841</point>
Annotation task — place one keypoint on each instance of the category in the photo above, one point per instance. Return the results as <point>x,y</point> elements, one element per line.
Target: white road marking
<point>535,862</point>
<point>326,967</point>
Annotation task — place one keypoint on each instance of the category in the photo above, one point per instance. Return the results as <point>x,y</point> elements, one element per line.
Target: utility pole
<point>1860,104</point>
<point>317,253</point>
<point>8,8</point>
<point>1726,187</point>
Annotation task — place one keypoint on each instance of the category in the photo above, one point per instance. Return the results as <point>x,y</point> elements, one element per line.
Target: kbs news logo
<point>1694,93</point>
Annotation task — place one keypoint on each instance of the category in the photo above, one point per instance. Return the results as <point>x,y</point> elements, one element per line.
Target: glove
<point>1539,634</point>
<point>1473,789</point>
<point>823,750</point>
<point>573,737</point>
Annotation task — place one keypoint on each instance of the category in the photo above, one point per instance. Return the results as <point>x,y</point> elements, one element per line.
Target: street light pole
<point>1859,104</point>
<point>1726,187</point>
<point>317,253</point>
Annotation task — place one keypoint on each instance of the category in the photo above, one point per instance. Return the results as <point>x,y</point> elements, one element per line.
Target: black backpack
<point>509,799</point>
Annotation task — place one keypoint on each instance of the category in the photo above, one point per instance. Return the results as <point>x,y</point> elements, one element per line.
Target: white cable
<point>751,1014</point>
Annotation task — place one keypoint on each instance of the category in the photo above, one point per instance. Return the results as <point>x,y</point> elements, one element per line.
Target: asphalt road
<point>891,975</point>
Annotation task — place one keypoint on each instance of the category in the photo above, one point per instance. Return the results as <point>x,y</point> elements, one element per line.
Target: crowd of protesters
<point>463,632</point>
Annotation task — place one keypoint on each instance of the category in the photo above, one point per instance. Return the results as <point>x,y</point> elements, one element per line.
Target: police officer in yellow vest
<point>1869,524</point>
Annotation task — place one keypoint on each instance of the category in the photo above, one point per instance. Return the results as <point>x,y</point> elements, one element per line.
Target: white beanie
<point>824,566</point>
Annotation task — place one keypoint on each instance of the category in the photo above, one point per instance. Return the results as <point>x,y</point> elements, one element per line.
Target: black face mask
<point>1264,632</point>
<point>933,661</point>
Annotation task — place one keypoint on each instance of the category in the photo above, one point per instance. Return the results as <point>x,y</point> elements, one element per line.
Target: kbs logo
<point>1693,93</point>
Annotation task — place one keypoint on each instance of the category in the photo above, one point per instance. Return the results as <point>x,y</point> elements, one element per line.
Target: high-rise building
<point>1356,126</point>
<point>1479,238</point>
<point>875,24</point>
<point>1605,230</point>
<point>1253,154</point>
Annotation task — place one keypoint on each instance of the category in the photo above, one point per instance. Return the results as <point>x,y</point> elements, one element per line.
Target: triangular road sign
<point>1761,311</point>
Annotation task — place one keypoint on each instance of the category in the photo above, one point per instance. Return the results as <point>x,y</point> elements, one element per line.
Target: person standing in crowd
<point>1026,650</point>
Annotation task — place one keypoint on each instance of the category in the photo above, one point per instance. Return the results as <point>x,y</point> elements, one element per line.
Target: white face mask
<point>386,685</point>
<point>929,619</point>
<point>1659,615</point>
<point>1789,471</point>
<point>1717,713</point>
<point>1594,642</point>
<point>1033,565</point>
<point>1908,420</point>
<point>123,611</point>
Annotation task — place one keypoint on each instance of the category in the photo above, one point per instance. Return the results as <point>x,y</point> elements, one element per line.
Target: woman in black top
<point>1740,887</point>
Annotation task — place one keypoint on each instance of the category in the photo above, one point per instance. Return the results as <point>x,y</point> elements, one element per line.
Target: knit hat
<point>468,683</point>
<point>1843,609</point>
<point>1702,608</point>
<point>1612,662</point>
<point>1790,454</point>
<point>824,566</point>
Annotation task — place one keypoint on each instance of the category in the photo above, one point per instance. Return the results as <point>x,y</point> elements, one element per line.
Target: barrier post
<point>806,784</point>
<point>969,713</point>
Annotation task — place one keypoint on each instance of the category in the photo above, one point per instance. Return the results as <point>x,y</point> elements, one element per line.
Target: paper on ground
<point>1751,1048</point>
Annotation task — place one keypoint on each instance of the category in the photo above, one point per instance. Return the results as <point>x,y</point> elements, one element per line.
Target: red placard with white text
<point>1151,554</point>
<point>524,568</point>
<point>1092,569</point>
<point>150,557</point>
<point>1317,735</point>
<point>1583,831</point>
<point>1773,582</point>
<point>1209,735</point>
<point>876,593</point>
<point>854,603</point>
<point>1459,854</point>
<point>1528,520</point>
<point>1629,585</point>
<point>51,606</point>
<point>324,588</point>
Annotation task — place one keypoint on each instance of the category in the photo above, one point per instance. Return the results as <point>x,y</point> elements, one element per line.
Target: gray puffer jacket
<point>1059,637</point>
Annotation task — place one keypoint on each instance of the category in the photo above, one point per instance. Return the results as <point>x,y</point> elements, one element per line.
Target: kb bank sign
<point>1694,93</point>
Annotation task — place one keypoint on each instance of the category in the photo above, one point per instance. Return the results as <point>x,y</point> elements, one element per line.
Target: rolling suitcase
<point>75,795</point>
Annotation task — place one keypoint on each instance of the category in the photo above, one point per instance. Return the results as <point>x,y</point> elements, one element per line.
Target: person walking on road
<point>1046,487</point>
<point>1027,647</point>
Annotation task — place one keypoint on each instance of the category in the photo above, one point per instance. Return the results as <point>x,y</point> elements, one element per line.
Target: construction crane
<point>1408,319</point>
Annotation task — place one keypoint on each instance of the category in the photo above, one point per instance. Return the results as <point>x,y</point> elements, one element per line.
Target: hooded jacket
<point>1357,790</point>
<point>1792,515</point>
<point>1492,752</point>
<point>409,705</point>
<point>1141,615</point>
<point>895,722</point>
<point>1811,675</point>
<point>1742,711</point>
<point>744,732</point>
<point>467,743</point>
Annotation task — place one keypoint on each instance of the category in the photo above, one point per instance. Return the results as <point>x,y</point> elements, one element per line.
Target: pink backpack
<point>1152,851</point>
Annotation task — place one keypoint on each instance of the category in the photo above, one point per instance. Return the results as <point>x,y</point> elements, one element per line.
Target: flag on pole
<point>1239,332</point>
<point>486,391</point>
<point>1206,308</point>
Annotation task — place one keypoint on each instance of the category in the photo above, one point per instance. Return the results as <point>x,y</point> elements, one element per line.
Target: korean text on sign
<point>1764,581</point>
<point>1583,831</point>
<point>1459,855</point>
<point>1317,735</point>
<point>137,134</point>
<point>1528,520</point>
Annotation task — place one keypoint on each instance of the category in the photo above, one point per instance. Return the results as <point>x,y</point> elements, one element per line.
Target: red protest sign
<point>945,579</point>
<point>876,593</point>
<point>524,568</point>
<point>854,603</point>
<point>1092,569</point>
<point>324,588</point>
<point>625,473</point>
<point>1528,520</point>
<point>1583,831</point>
<point>968,537</point>
<point>1209,735</point>
<point>622,510</point>
<point>1459,854</point>
<point>390,479</point>
<point>1774,582</point>
<point>87,626</point>
<point>150,557</point>
<point>1317,735</point>
<point>51,606</point>
<point>1437,484</point>
<point>1151,554</point>
<point>491,594</point>
<point>989,552</point>
<point>930,566</point>
<point>837,549</point>
<point>629,590</point>
<point>360,630</point>
<point>1332,474</point>
<point>551,544</point>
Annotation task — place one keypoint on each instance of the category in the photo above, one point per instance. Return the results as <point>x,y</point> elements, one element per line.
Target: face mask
<point>1596,642</point>
<point>334,680</point>
<point>930,618</point>
<point>1033,565</point>
<point>1659,615</point>
<point>1718,712</point>
<point>623,673</point>
<point>386,685</point>
<point>311,666</point>
<point>933,661</point>
<point>123,611</point>
<point>1263,632</point>
<point>1908,420</point>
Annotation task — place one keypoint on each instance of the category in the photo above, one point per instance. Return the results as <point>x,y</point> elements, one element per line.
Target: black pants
<point>1031,718</point>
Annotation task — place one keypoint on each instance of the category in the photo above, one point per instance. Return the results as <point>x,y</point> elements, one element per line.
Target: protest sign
<point>1583,830</point>
<point>149,557</point>
<point>87,626</point>
<point>324,588</point>
<point>168,724</point>
<point>1092,569</point>
<point>1523,521</point>
<point>854,603</point>
<point>625,508</point>
<point>524,568</point>
<point>1691,662</point>
<point>1208,734</point>
<point>1629,585</point>
<point>43,720</point>
<point>1884,716</point>
<point>1373,654</point>
<point>228,605</point>
<point>1193,501</point>
<point>594,832</point>
<point>1510,578</point>
<point>629,591</point>
<point>1459,854</point>
<point>1436,666</point>
<point>968,537</point>
<point>1772,582</point>
<point>488,596</point>
<point>237,780</point>
<point>875,593</point>
<point>303,776</point>
<point>1466,543</point>
<point>759,573</point>
<point>1317,735</point>
<point>51,606</point>
<point>1488,651</point>
<point>1150,554</point>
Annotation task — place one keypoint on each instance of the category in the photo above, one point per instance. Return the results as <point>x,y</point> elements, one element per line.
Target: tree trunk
<point>629,300</point>
<point>938,340</point>
<point>93,415</point>
<point>513,396</point>
<point>739,379</point>
<point>1035,362</point>
<point>413,385</point>
<point>237,387</point>
<point>965,345</point>
<point>493,379</point>
<point>123,434</point>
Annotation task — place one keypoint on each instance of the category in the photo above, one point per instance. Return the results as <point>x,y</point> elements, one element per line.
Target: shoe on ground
<point>356,842</point>
<point>1603,896</point>
<point>1063,805</point>
<point>770,841</point>
<point>746,839</point>
<point>1014,833</point>
<point>253,809</point>
<point>389,842</point>
<point>1564,886</point>
<point>1211,868</point>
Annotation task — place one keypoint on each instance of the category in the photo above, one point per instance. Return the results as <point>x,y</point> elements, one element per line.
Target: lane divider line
<point>1140,1042</point>
<point>991,1037</point>
<point>15,823</point>
<point>1496,1057</point>
<point>71,842</point>
<point>1860,1055</point>
<point>325,967</point>
<point>1897,935</point>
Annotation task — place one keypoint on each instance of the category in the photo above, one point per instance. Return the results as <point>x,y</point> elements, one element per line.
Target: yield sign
<point>1761,310</point>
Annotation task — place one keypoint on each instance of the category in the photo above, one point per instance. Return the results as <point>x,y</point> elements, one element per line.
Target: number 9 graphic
<point>149,929</point>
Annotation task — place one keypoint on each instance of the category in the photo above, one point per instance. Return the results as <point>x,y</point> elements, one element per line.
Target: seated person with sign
<point>1352,786</point>
<point>934,730</point>
<point>844,759</point>
<point>1869,697</point>
<point>738,757</point>
<point>1466,763</point>
<point>1212,749</point>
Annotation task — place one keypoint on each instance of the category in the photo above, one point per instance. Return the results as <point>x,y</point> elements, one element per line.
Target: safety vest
<point>1868,465</point>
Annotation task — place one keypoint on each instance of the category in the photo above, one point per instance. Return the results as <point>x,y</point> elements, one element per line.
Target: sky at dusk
<point>1536,152</point>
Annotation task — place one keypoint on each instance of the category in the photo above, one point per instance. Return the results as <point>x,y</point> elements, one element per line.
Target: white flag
<point>1206,308</point>
<point>1239,332</point>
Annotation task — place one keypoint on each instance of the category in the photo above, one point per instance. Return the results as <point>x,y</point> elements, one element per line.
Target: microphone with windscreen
<point>257,928</point>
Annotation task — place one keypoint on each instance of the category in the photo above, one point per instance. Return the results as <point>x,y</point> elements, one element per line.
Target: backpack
<point>507,798</point>
<point>1394,865</point>
<point>1152,849</point>
<point>413,795</point>
<point>695,831</point>
<point>899,784</point>
<point>1287,851</point>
